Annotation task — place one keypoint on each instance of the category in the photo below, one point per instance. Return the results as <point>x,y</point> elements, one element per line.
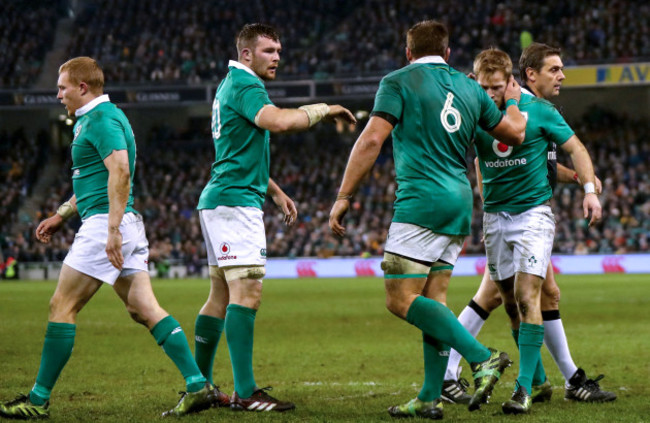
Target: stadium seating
<point>189,42</point>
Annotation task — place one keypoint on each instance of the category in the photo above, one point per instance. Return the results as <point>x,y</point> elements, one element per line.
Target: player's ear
<point>84,88</point>
<point>530,74</point>
<point>447,54</point>
<point>246,54</point>
<point>409,55</point>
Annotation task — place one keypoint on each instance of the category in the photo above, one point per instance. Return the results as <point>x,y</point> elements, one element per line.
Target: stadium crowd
<point>26,34</point>
<point>190,42</point>
<point>173,168</point>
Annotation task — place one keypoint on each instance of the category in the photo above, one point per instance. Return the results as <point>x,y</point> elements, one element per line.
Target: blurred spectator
<point>174,167</point>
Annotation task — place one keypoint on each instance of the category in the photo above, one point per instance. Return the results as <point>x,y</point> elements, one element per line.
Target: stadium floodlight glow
<point>69,122</point>
<point>63,117</point>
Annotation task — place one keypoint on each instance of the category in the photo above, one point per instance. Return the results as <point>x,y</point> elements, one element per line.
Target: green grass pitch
<point>329,345</point>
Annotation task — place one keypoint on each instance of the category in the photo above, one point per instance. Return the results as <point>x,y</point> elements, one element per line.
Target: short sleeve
<point>250,99</point>
<point>388,100</point>
<point>106,135</point>
<point>490,114</point>
<point>555,127</point>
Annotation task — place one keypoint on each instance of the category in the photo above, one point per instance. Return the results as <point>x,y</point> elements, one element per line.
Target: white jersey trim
<point>91,105</point>
<point>430,59</point>
<point>238,65</point>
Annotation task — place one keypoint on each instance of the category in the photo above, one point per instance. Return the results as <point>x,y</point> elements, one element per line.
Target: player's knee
<point>63,309</point>
<point>395,306</point>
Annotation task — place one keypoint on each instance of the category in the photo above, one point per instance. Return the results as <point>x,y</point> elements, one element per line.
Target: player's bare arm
<point>52,224</point>
<point>582,162</point>
<point>282,200</point>
<point>364,154</point>
<point>567,175</point>
<point>278,120</point>
<point>119,184</point>
<point>512,128</point>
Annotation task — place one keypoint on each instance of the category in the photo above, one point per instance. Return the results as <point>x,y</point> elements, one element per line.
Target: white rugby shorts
<point>520,242</point>
<point>88,251</point>
<point>234,236</point>
<point>419,243</point>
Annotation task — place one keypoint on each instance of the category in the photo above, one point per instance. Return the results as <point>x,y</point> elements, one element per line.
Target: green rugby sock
<point>207,332</point>
<point>57,348</point>
<point>437,321</point>
<point>240,325</point>
<point>436,357</point>
<point>540,374</point>
<point>170,336</point>
<point>531,338</point>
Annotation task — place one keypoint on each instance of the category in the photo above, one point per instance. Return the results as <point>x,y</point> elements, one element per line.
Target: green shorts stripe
<point>437,268</point>
<point>408,275</point>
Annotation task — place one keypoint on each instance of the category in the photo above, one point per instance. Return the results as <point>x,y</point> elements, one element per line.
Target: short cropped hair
<point>247,37</point>
<point>427,38</point>
<point>533,57</point>
<point>85,69</point>
<point>491,61</point>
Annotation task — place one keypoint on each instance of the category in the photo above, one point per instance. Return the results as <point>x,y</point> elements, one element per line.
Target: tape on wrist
<point>590,188</point>
<point>343,196</point>
<point>66,211</point>
<point>315,112</point>
<point>511,102</point>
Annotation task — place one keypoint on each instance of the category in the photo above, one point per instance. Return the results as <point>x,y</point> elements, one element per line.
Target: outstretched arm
<point>277,120</point>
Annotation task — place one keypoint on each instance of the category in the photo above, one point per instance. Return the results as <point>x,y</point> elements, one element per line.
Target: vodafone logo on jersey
<point>500,149</point>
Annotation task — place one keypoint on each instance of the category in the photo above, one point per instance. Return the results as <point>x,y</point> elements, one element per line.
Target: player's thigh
<point>498,251</point>
<point>73,290</point>
<point>532,237</point>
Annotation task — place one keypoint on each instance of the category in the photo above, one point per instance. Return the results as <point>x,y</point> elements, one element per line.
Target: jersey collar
<point>91,105</point>
<point>525,89</point>
<point>430,59</point>
<point>236,64</point>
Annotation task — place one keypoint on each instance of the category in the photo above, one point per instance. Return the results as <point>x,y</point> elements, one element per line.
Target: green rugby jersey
<point>101,128</point>
<point>240,172</point>
<point>435,111</point>
<point>515,179</point>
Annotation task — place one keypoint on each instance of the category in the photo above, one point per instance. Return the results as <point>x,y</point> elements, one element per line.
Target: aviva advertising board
<point>623,74</point>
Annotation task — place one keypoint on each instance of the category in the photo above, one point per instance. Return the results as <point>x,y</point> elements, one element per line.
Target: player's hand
<point>340,114</point>
<point>114,248</point>
<point>48,227</point>
<point>598,185</point>
<point>287,206</point>
<point>471,76</point>
<point>513,90</point>
<point>339,209</point>
<point>591,205</point>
